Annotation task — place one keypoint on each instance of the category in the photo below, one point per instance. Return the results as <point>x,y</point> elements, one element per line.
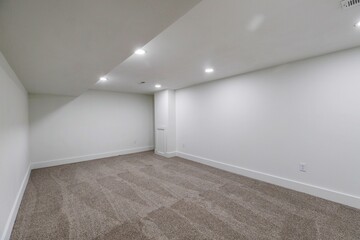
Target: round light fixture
<point>158,85</point>
<point>140,51</point>
<point>103,79</point>
<point>209,70</point>
<point>357,25</point>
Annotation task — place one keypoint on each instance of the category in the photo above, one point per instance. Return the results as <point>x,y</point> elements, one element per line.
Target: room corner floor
<point>145,196</point>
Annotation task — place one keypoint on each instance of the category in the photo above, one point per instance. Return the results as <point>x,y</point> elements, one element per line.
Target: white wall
<point>265,123</point>
<point>94,125</point>
<point>172,122</point>
<point>165,123</point>
<point>14,164</point>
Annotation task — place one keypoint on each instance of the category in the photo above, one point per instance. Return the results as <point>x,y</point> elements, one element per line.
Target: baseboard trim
<point>57,162</point>
<point>335,196</point>
<point>15,208</point>
<point>167,155</point>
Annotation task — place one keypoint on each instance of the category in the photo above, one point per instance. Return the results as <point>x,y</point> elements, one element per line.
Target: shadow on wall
<point>53,104</point>
<point>96,122</point>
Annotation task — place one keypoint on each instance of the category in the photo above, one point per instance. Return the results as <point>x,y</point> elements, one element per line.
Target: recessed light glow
<point>209,70</point>
<point>103,79</point>
<point>140,51</point>
<point>357,25</point>
<point>158,85</point>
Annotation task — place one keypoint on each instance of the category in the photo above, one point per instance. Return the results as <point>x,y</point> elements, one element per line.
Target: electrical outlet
<point>183,146</point>
<point>135,142</point>
<point>302,167</point>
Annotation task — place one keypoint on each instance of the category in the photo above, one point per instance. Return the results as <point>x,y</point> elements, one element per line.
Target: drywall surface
<point>161,102</point>
<point>165,122</point>
<point>94,125</point>
<point>14,164</point>
<point>172,121</point>
<point>272,120</point>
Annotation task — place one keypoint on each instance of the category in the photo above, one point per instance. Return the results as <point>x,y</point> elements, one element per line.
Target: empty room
<point>179,119</point>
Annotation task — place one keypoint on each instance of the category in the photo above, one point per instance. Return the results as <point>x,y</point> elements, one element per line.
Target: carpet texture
<point>145,196</point>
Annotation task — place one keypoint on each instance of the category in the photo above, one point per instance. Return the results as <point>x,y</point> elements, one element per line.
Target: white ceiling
<point>234,37</point>
<point>63,46</point>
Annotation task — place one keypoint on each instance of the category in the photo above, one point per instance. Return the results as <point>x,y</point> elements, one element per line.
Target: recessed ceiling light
<point>103,79</point>
<point>209,70</point>
<point>158,85</point>
<point>357,25</point>
<point>140,51</point>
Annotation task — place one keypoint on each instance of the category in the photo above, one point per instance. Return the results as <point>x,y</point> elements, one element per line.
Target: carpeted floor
<point>145,196</point>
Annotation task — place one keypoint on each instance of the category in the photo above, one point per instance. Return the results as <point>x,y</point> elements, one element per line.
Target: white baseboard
<point>335,196</point>
<point>57,162</point>
<point>15,208</point>
<point>167,155</point>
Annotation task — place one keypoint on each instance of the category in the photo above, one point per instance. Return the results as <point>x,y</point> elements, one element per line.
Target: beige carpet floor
<point>145,196</point>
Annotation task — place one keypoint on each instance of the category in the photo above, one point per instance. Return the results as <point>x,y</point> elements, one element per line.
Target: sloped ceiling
<point>235,37</point>
<point>63,46</point>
